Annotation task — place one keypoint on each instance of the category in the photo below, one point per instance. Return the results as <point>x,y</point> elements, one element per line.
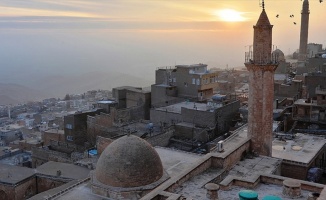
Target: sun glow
<point>229,15</point>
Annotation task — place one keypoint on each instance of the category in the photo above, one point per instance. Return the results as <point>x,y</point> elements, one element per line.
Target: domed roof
<point>279,54</point>
<point>278,51</point>
<point>129,162</point>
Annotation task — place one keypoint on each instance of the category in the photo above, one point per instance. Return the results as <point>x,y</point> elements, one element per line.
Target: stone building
<point>291,90</point>
<point>261,69</point>
<point>58,152</point>
<point>16,183</point>
<point>76,126</point>
<point>217,116</point>
<point>183,81</point>
<point>313,81</point>
<point>133,98</point>
<point>20,183</point>
<point>53,134</point>
<point>313,49</point>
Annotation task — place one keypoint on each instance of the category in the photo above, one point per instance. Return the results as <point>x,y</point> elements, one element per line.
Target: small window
<point>193,81</point>
<point>198,81</point>
<point>69,126</point>
<point>70,138</point>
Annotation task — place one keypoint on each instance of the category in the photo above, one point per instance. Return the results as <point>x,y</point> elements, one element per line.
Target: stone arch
<point>29,192</point>
<point>3,195</point>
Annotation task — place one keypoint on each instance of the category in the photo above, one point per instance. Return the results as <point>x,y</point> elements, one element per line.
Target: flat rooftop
<point>56,131</point>
<point>176,108</point>
<point>304,103</point>
<point>81,192</point>
<point>233,142</point>
<point>175,161</point>
<point>303,148</point>
<point>248,169</point>
<point>262,190</point>
<point>50,168</point>
<point>14,174</point>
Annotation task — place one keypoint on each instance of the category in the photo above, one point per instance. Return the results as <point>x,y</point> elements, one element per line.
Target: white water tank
<point>220,147</point>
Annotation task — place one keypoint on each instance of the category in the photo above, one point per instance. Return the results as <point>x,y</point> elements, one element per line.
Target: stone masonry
<point>261,88</point>
<point>304,31</point>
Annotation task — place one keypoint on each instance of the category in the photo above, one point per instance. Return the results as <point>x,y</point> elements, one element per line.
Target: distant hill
<point>59,85</point>
<point>14,94</point>
<point>38,88</point>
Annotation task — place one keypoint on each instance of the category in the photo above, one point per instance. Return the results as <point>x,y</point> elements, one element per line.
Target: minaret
<point>261,67</point>
<point>304,31</point>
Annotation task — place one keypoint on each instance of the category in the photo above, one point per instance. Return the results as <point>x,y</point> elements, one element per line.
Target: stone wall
<point>160,117</point>
<point>230,160</point>
<point>291,91</point>
<point>26,189</point>
<point>45,183</point>
<point>204,165</point>
<point>7,192</point>
<point>130,114</point>
<point>294,171</point>
<point>48,136</point>
<point>312,81</point>
<point>99,125</point>
<point>102,143</point>
<point>22,190</point>
<point>163,95</point>
<point>189,132</point>
<point>161,140</point>
<point>58,152</point>
<point>198,117</point>
<point>224,116</point>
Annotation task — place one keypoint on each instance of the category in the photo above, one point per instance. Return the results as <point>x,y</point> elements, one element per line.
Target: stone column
<point>291,188</point>
<point>212,191</point>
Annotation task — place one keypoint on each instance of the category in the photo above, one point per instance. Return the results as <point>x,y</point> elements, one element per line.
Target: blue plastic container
<point>248,195</point>
<point>270,197</point>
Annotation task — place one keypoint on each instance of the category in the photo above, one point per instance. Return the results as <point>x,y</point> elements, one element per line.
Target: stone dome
<point>279,54</point>
<point>129,162</point>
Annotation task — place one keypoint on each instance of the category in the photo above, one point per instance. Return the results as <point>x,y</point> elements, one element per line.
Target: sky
<point>40,38</point>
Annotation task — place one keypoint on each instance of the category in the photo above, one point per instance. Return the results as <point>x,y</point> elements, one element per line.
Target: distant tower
<point>304,31</point>
<point>9,112</point>
<point>261,66</point>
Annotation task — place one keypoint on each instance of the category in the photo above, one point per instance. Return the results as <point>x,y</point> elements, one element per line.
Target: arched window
<point>3,195</point>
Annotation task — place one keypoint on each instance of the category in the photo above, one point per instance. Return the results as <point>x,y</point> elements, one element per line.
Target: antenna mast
<point>262,4</point>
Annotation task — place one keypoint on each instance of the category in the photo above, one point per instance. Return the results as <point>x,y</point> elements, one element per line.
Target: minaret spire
<point>261,67</point>
<point>304,31</point>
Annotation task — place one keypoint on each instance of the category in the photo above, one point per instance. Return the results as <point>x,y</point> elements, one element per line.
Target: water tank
<point>219,97</point>
<point>270,197</point>
<point>220,147</point>
<point>248,195</point>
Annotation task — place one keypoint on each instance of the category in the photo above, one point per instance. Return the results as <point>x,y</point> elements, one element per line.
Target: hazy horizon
<point>42,38</point>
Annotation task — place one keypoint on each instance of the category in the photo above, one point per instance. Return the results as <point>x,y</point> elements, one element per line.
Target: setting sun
<point>229,15</point>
